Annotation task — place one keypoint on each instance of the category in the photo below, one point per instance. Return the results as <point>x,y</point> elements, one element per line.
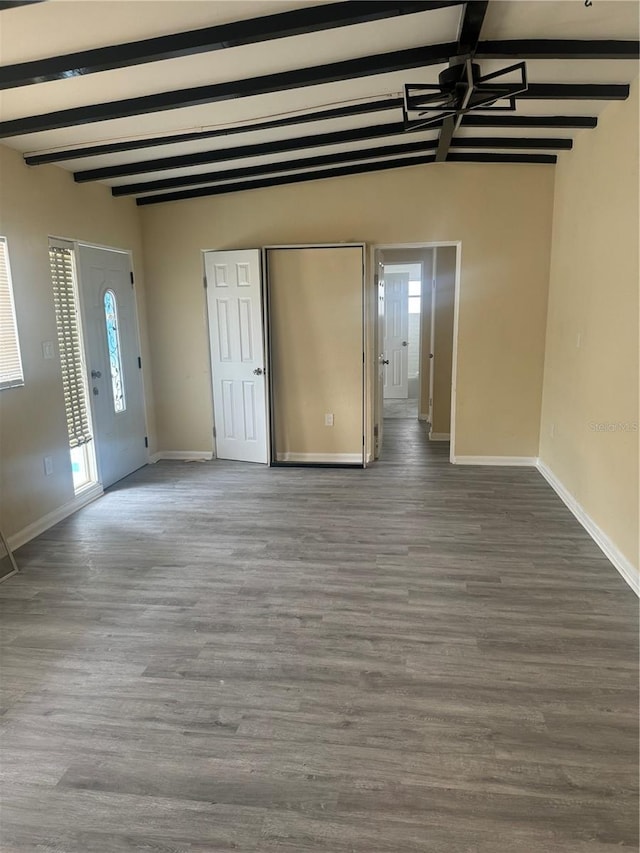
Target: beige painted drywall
<point>36,203</point>
<point>442,347</point>
<point>591,367</point>
<point>315,305</point>
<point>502,215</point>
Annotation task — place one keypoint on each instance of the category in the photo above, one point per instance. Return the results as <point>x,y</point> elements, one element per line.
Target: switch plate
<point>48,350</point>
<point>48,465</point>
<point>328,419</point>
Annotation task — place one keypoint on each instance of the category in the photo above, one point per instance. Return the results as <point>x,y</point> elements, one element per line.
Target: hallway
<point>415,657</point>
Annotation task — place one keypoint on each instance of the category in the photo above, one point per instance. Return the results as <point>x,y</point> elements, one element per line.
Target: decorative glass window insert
<point>113,345</point>
<point>11,374</point>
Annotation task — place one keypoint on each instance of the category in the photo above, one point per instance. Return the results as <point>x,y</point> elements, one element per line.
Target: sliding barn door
<point>317,364</point>
<point>234,302</point>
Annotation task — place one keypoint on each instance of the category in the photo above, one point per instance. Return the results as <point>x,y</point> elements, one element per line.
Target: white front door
<point>396,343</point>
<point>234,304</point>
<point>113,362</point>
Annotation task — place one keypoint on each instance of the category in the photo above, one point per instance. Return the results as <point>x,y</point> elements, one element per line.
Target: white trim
<point>182,455</point>
<point>39,526</point>
<point>331,458</point>
<point>624,566</point>
<point>440,436</point>
<point>528,461</point>
<point>9,575</point>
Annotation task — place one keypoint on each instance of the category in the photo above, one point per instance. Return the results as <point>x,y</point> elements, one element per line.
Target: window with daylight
<point>113,344</point>
<point>11,375</point>
<point>415,289</point>
<point>72,364</point>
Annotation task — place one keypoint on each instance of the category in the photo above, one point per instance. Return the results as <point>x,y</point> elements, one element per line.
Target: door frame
<point>268,360</point>
<point>374,250</point>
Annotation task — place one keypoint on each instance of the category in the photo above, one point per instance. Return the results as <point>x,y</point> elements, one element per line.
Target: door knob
<point>405,343</point>
<point>258,371</point>
<point>95,391</point>
<point>95,374</point>
<point>385,361</point>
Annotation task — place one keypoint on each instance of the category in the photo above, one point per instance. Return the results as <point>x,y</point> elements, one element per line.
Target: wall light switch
<point>48,350</point>
<point>328,419</point>
<point>552,430</point>
<point>578,340</point>
<point>48,465</point>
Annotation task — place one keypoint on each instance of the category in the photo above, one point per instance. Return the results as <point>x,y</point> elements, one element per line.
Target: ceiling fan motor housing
<point>451,77</point>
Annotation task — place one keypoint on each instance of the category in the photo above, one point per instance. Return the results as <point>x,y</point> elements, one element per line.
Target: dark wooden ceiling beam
<point>470,120</point>
<point>5,5</point>
<point>471,25</point>
<point>355,169</point>
<point>261,149</point>
<point>366,66</point>
<point>346,111</point>
<point>234,34</point>
<point>264,169</point>
<point>558,49</point>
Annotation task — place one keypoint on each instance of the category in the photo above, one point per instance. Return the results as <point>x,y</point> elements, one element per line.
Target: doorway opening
<point>415,337</point>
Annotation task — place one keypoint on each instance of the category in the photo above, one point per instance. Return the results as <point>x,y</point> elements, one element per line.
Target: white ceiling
<point>57,27</point>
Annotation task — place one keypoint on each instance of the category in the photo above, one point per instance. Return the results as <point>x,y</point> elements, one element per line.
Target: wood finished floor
<point>417,657</point>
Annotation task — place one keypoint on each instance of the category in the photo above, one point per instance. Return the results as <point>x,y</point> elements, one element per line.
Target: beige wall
<point>445,275</point>
<point>591,367</point>
<point>501,214</point>
<point>36,203</point>
<point>315,302</point>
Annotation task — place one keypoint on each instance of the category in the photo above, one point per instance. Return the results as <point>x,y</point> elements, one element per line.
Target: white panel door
<point>234,305</point>
<point>113,363</point>
<point>396,324</point>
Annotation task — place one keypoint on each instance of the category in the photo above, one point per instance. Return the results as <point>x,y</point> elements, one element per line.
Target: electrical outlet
<point>48,351</point>
<point>328,419</point>
<point>48,465</point>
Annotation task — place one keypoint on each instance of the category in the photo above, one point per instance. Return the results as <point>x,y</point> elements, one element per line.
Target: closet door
<point>317,366</point>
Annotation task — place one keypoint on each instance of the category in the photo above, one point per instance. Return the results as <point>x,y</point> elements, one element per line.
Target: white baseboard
<point>326,458</point>
<point>496,460</point>
<point>624,566</point>
<point>182,455</point>
<point>439,436</point>
<point>46,521</point>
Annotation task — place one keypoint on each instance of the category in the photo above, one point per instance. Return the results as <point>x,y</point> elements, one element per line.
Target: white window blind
<point>70,345</point>
<point>11,374</point>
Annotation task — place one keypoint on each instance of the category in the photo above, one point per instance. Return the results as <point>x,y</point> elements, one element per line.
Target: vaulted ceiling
<point>166,99</point>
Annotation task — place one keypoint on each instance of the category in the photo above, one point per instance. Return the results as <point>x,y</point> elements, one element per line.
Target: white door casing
<point>119,428</point>
<point>432,337</point>
<point>234,307</point>
<point>396,346</point>
<point>379,419</point>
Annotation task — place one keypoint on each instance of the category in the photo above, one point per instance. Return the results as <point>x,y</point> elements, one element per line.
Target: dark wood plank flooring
<point>417,657</point>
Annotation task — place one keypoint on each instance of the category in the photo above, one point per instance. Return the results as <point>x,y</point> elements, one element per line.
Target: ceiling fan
<point>461,88</point>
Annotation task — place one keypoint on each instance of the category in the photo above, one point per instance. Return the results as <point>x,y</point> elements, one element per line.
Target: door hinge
<point>139,362</point>
<point>214,432</point>
<point>363,441</point>
<point>363,358</point>
<point>146,441</point>
<point>132,279</point>
<point>375,431</point>
<point>204,281</point>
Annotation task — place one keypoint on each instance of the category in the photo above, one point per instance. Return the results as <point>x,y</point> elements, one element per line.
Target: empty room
<point>319,368</point>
